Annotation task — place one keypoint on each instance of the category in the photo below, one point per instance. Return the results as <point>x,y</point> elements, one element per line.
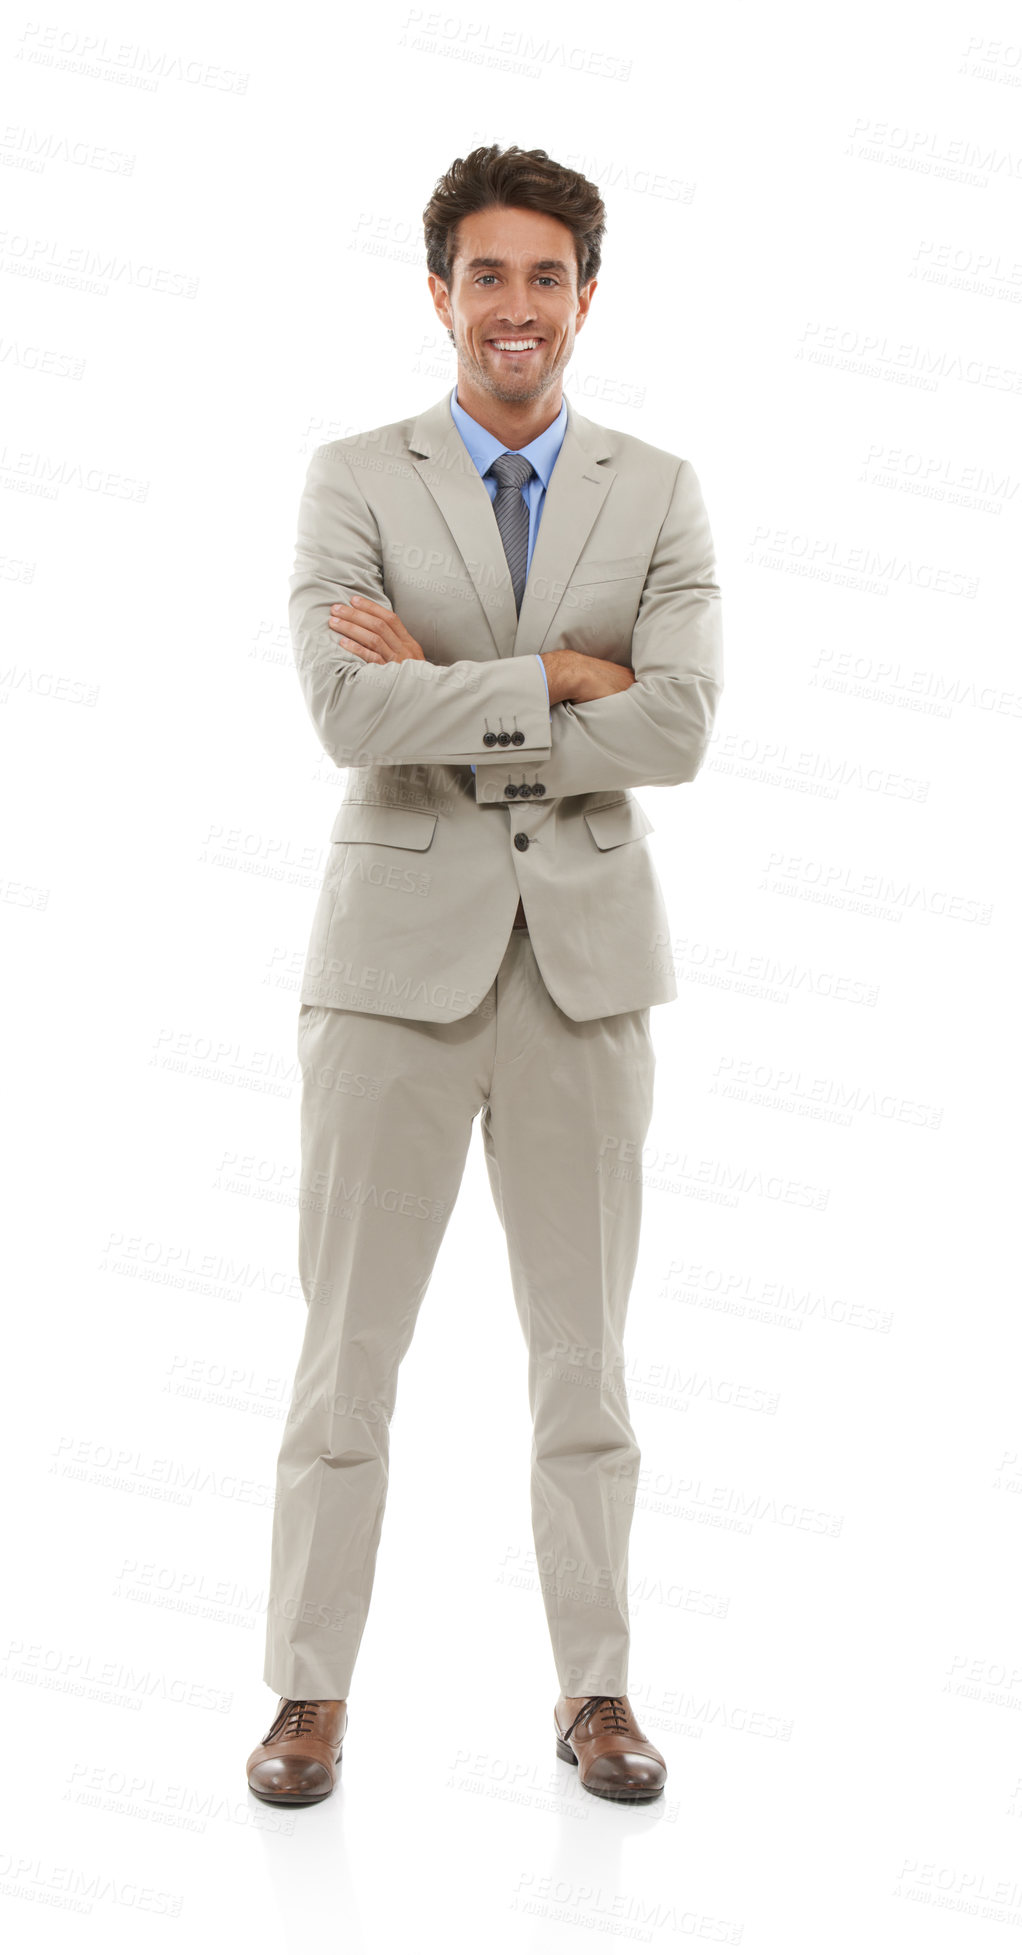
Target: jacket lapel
<point>575,495</point>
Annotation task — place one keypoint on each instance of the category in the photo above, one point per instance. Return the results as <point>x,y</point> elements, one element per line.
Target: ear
<point>585,297</point>
<point>441,298</point>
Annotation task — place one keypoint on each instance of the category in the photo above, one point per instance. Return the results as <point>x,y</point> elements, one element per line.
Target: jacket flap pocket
<point>374,821</point>
<point>621,821</point>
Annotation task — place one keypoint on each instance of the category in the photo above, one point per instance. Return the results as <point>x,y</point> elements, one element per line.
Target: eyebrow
<point>497,264</point>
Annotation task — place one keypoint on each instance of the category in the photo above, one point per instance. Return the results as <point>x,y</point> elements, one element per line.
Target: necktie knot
<point>511,471</point>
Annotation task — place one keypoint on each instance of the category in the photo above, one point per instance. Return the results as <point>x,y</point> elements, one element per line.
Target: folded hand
<point>375,633</point>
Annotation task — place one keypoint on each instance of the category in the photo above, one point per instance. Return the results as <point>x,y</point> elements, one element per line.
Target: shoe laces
<point>294,1720</point>
<point>612,1711</point>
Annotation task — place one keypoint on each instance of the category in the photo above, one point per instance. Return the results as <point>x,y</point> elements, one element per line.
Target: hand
<point>375,633</point>
<point>584,675</point>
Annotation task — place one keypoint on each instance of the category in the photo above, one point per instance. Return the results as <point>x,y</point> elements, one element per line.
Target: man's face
<point>514,278</point>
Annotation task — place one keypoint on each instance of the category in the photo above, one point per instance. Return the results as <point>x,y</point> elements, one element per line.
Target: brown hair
<point>525,179</point>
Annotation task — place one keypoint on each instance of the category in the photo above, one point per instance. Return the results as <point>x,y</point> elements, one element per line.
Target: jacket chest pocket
<point>598,608</point>
<point>610,570</point>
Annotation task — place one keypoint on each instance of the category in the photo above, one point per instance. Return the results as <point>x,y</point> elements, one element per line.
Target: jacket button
<point>518,737</point>
<point>521,840</point>
<point>489,739</point>
<point>503,739</point>
<point>539,787</point>
<point>510,790</point>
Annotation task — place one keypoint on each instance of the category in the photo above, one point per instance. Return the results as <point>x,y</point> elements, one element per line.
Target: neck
<point>515,423</point>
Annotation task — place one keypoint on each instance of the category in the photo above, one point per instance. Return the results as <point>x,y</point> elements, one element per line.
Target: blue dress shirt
<point>542,453</point>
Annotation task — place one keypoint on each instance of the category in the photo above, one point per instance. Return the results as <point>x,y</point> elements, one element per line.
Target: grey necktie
<point>512,513</point>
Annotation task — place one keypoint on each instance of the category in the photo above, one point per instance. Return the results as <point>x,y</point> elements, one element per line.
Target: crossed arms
<point>374,697</point>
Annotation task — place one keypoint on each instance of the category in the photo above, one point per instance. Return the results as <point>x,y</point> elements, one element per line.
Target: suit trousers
<point>387,1110</point>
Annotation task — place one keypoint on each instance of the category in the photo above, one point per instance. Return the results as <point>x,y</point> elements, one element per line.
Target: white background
<point>211,261</point>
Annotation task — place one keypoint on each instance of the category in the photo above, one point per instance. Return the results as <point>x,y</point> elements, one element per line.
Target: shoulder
<point>367,451</point>
<point>628,455</point>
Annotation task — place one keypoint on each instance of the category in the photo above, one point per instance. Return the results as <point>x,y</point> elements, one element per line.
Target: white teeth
<point>515,345</point>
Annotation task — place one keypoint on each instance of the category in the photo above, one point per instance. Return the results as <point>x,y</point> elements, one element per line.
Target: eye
<point>545,278</point>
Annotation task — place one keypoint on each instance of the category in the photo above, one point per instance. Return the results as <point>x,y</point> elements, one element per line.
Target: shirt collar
<point>484,446</point>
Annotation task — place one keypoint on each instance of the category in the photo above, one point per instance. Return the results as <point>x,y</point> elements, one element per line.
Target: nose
<point>519,312</point>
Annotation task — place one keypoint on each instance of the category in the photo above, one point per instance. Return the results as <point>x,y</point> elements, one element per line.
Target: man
<point>504,617</point>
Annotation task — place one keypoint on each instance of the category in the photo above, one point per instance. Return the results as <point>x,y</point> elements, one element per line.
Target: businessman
<point>505,617</point>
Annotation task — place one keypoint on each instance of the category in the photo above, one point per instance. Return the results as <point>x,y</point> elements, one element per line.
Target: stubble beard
<point>489,382</point>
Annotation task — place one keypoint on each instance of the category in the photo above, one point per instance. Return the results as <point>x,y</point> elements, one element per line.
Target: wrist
<point>561,670</point>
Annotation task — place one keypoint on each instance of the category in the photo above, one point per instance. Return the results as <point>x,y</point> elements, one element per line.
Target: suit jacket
<point>427,860</point>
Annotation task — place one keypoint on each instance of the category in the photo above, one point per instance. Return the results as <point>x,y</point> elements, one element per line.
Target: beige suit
<point>623,567</point>
<point>421,1006</point>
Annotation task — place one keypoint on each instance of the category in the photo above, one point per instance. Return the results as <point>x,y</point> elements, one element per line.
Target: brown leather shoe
<point>297,1762</point>
<point>615,1759</point>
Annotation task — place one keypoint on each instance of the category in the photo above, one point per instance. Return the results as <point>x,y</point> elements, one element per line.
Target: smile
<point>515,345</point>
